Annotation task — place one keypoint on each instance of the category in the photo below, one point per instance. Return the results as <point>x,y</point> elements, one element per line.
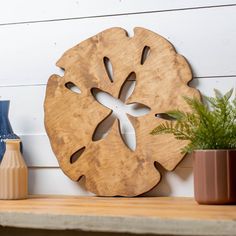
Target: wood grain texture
<point>171,216</point>
<point>110,168</point>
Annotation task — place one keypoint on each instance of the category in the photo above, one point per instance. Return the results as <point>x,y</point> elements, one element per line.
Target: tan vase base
<point>13,173</point>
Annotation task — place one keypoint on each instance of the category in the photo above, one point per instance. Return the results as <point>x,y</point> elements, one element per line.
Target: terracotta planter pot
<point>215,176</point>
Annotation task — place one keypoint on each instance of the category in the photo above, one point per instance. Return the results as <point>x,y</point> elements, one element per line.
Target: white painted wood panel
<point>13,11</point>
<point>203,33</point>
<point>200,35</point>
<point>26,108</point>
<point>27,117</point>
<point>53,181</point>
<point>206,85</point>
<point>38,152</point>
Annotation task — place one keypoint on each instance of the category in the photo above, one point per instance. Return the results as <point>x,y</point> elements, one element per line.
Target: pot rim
<point>214,150</point>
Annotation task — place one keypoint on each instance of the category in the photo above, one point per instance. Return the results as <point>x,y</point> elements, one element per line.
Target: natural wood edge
<point>136,225</point>
<point>143,215</point>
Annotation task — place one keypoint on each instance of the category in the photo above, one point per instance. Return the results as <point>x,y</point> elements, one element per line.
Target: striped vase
<point>13,172</point>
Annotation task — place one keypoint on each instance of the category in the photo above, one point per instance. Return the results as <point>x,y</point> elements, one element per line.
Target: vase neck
<point>13,144</point>
<point>12,157</point>
<point>5,126</point>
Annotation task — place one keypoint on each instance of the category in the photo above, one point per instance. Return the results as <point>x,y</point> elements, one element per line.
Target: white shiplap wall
<point>34,34</point>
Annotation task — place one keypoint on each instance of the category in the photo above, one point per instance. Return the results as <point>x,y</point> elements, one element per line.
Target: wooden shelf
<point>157,215</point>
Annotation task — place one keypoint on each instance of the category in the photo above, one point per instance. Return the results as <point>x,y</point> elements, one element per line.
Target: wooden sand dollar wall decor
<point>109,166</point>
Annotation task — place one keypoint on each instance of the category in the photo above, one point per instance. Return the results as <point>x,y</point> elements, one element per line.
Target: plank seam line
<point>44,84</point>
<point>58,167</point>
<point>214,76</point>
<point>118,14</point>
<point>44,167</point>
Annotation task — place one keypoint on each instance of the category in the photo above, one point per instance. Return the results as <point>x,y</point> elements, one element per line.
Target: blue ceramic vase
<point>6,131</point>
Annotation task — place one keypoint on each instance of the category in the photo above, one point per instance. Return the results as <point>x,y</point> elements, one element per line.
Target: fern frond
<point>203,127</point>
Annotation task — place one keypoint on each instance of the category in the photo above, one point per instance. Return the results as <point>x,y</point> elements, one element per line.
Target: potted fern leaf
<point>210,130</point>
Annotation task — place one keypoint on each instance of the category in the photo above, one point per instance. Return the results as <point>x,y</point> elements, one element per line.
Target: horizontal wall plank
<point>34,34</point>
<point>38,152</point>
<point>13,11</point>
<point>27,117</point>
<point>53,181</point>
<point>205,37</point>
<point>207,85</point>
<point>26,108</point>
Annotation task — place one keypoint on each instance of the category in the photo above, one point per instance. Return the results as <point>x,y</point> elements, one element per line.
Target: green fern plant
<point>211,126</point>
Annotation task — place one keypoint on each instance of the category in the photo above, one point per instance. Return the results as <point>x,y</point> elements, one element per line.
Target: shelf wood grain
<point>143,215</point>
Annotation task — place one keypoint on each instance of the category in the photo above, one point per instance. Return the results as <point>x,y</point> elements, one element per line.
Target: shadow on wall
<point>178,182</point>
